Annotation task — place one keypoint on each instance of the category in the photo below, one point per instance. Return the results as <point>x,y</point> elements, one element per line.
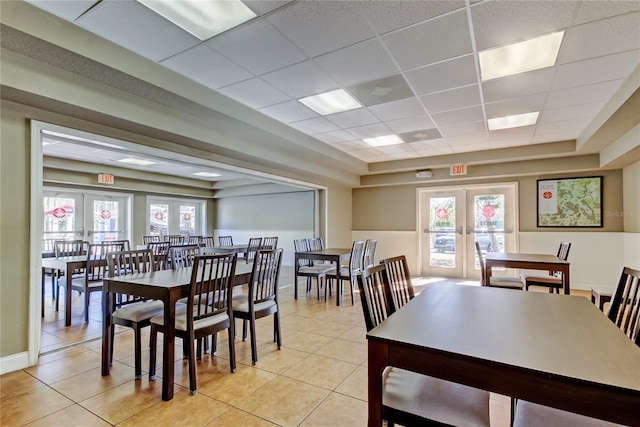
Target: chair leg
<point>138,351</point>
<point>57,295</point>
<point>87,295</point>
<point>214,344</point>
<point>113,335</point>
<point>192,365</point>
<point>353,301</point>
<point>244,329</point>
<point>254,343</point>
<point>153,342</point>
<point>199,349</point>
<point>276,328</point>
<point>232,346</point>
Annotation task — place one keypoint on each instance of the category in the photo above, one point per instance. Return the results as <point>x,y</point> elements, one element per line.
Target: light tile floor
<point>318,378</point>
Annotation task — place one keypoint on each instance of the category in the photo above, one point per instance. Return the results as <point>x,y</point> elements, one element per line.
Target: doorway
<point>452,219</point>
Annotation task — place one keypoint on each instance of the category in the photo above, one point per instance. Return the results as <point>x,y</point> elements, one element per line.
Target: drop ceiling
<point>413,63</point>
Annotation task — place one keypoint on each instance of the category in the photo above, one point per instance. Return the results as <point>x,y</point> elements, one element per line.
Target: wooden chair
<point>369,253</point>
<point>270,243</point>
<point>211,280</point>
<point>348,273</point>
<point>192,240</point>
<point>412,399</point>
<point>262,298</point>
<point>207,241</point>
<point>225,241</point>
<point>132,312</point>
<point>95,271</point>
<point>400,289</point>
<point>553,280</point>
<point>183,256</point>
<point>309,269</point>
<point>64,248</point>
<point>496,282</point>
<point>174,239</point>
<point>160,251</point>
<point>532,414</point>
<point>255,244</point>
<point>125,243</point>
<point>149,239</point>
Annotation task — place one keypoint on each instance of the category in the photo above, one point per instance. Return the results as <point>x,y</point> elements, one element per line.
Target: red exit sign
<point>104,178</point>
<point>458,169</point>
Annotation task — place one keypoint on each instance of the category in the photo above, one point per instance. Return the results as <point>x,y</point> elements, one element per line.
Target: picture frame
<point>570,202</point>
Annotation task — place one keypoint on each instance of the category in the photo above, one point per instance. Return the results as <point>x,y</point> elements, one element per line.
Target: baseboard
<point>14,362</point>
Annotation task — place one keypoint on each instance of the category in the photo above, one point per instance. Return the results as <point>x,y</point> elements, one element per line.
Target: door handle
<point>469,230</point>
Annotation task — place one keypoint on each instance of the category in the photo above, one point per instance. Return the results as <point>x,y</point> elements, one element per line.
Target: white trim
<point>14,362</point>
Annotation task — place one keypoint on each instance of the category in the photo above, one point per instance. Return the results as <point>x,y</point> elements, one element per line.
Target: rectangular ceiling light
<point>202,18</point>
<point>516,58</point>
<point>382,141</point>
<point>207,174</point>
<point>332,102</point>
<point>138,162</point>
<point>515,121</point>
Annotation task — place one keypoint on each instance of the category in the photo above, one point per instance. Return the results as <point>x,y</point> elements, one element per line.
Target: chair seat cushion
<point>532,414</point>
<point>506,282</point>
<point>534,278</point>
<point>435,399</point>
<point>315,270</point>
<point>603,291</point>
<point>241,304</point>
<point>139,311</point>
<point>181,321</point>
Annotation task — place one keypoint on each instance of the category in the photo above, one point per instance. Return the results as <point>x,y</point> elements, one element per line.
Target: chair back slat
<point>483,279</point>
<point>183,256</point>
<point>160,252</point>
<point>211,282</point>
<point>369,253</point>
<point>270,243</point>
<point>192,240</point>
<point>125,243</point>
<point>302,245</point>
<point>255,244</point>
<point>371,285</point>
<point>97,259</point>
<point>70,247</point>
<point>174,239</point>
<point>315,243</point>
<point>224,241</point>
<point>129,262</point>
<point>207,241</point>
<point>148,239</point>
<point>263,284</point>
<point>400,289</point>
<point>625,305</point>
<point>357,255</point>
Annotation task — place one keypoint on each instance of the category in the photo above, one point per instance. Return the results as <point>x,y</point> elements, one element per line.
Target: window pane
<point>158,220</point>
<point>188,220</point>
<point>59,218</point>
<point>443,236</point>
<point>105,220</point>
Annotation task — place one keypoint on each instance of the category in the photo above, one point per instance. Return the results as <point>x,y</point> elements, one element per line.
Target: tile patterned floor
<point>318,378</point>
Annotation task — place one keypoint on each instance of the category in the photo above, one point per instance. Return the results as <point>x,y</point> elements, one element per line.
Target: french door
<point>453,219</point>
<point>176,216</point>
<point>94,217</point>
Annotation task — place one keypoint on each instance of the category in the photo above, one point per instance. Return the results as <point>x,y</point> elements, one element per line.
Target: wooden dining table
<point>555,350</point>
<point>69,264</point>
<point>528,261</point>
<point>334,255</point>
<point>167,286</point>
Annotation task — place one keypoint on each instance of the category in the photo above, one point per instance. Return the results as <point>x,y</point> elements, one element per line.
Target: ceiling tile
<point>207,67</point>
<point>570,113</point>
<point>65,9</point>
<point>301,80</point>
<point>582,94</point>
<point>372,63</point>
<point>397,109</point>
<point>467,148</point>
<point>370,131</point>
<point>599,38</point>
<point>510,134</point>
<point>313,126</point>
<point>336,136</point>
<point>386,16</point>
<point>442,38</point>
<point>420,135</point>
<point>506,143</point>
<point>467,139</point>
<point>611,67</point>
<point>527,104</point>
<point>258,47</point>
<point>497,23</point>
<point>255,93</point>
<point>353,118</point>
<point>431,148</point>
<point>381,91</point>
<point>137,28</point>
<point>410,124</point>
<point>444,75</point>
<point>324,26</point>
<point>553,137</point>
<point>352,146</point>
<point>398,148</point>
<point>452,99</point>
<point>464,129</point>
<point>291,111</point>
<point>598,9</point>
<point>517,86</point>
<point>370,155</point>
<point>260,7</point>
<point>456,117</point>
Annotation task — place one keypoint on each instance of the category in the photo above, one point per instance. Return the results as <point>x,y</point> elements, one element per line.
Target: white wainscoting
<point>285,239</point>
<point>14,362</point>
<point>596,257</point>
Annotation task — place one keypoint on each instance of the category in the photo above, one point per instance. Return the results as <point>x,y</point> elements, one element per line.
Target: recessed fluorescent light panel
<point>529,55</point>
<point>202,18</point>
<point>515,121</point>
<point>138,162</point>
<point>383,141</point>
<point>332,102</point>
<point>207,174</point>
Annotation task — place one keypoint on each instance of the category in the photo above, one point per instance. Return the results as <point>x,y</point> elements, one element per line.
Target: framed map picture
<point>570,202</point>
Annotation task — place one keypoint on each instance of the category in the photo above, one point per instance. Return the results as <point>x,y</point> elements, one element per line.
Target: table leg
<point>168,348</point>
<point>107,309</point>
<point>67,296</point>
<point>295,278</point>
<point>378,360</point>
<point>565,281</point>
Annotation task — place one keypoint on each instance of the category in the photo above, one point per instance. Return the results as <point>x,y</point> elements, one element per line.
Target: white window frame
<point>174,212</point>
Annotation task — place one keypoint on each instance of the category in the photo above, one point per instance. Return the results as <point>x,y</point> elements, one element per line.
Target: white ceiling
<point>300,48</point>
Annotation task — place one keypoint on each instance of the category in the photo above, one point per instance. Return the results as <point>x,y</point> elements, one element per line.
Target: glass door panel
<point>108,218</point>
<point>441,250</point>
<point>63,216</point>
<point>158,219</point>
<point>188,220</point>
